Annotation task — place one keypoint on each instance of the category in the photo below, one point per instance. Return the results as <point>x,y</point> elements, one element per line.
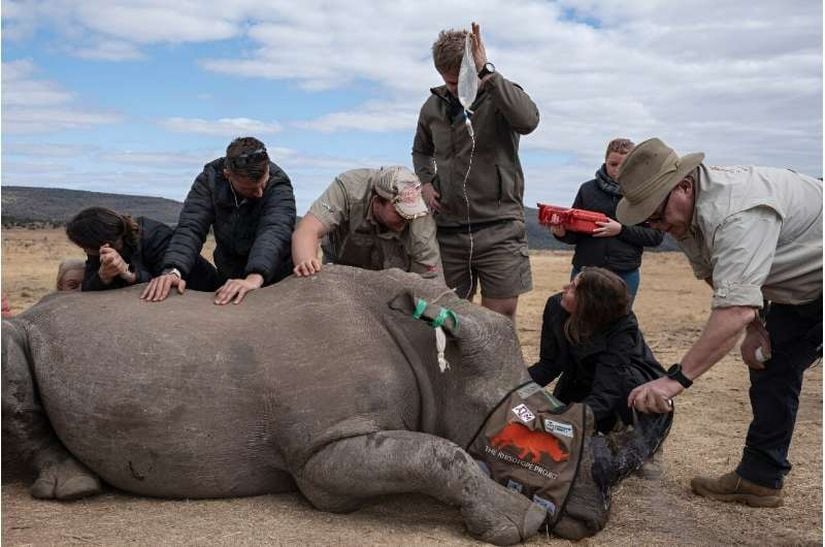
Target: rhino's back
<point>184,398</point>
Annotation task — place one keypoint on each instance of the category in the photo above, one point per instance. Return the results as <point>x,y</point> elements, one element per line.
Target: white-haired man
<point>755,235</point>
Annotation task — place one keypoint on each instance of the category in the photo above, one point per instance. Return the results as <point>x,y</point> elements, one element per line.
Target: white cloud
<point>41,106</point>
<point>740,80</point>
<point>224,127</point>
<point>374,117</point>
<point>20,89</point>
<point>109,50</point>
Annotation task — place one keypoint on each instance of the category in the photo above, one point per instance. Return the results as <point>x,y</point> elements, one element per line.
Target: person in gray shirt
<point>755,235</point>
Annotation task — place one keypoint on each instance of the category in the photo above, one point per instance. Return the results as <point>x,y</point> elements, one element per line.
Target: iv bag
<point>467,76</point>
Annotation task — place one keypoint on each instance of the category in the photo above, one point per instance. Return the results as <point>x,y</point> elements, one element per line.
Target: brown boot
<point>731,487</point>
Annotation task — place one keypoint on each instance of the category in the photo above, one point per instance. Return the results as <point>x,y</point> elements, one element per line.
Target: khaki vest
<point>532,443</point>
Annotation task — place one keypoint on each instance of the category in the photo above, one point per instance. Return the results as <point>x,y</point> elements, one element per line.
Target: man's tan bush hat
<point>401,186</point>
<point>647,175</point>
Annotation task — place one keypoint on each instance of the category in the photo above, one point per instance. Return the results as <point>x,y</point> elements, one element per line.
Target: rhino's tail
<point>617,455</point>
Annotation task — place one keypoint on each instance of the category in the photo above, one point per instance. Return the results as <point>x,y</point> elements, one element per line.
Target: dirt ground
<point>707,436</point>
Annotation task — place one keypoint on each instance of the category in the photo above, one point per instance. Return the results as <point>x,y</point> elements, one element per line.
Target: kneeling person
<point>369,218</point>
<point>592,340</point>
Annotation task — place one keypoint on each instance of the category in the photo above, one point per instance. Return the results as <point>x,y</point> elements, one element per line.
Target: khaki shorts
<point>500,261</point>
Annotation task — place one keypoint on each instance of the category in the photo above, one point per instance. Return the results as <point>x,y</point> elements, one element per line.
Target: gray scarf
<point>606,183</point>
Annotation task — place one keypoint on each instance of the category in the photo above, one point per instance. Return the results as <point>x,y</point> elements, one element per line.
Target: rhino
<point>325,384</point>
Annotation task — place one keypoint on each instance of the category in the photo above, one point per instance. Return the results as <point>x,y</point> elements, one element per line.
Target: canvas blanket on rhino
<point>533,443</point>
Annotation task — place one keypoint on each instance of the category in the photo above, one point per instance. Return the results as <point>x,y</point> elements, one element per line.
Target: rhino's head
<point>484,355</point>
<point>608,459</point>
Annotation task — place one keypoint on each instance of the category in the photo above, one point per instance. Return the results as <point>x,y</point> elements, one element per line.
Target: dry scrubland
<point>707,436</point>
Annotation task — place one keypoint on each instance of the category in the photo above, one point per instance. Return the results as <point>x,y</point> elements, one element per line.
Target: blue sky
<point>135,96</point>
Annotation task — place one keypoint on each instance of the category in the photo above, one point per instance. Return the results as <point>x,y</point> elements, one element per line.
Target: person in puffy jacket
<point>591,342</point>
<point>612,245</point>
<point>249,203</point>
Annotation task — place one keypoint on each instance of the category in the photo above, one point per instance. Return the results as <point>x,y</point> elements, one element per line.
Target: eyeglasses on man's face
<point>659,214</point>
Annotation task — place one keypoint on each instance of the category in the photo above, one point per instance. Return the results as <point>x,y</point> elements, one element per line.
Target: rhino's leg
<point>348,472</point>
<point>25,424</point>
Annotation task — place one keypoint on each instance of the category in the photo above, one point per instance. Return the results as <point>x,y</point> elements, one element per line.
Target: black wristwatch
<point>675,373</point>
<point>488,68</point>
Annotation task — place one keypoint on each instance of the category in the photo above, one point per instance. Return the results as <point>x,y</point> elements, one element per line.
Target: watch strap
<point>675,373</point>
<point>486,70</point>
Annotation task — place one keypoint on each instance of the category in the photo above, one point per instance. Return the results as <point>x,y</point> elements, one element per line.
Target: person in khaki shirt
<point>755,235</point>
<point>369,218</point>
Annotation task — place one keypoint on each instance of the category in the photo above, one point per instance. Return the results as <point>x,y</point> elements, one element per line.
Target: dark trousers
<point>796,342</point>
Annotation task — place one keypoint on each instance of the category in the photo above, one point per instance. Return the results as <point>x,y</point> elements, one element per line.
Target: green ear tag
<point>420,306</point>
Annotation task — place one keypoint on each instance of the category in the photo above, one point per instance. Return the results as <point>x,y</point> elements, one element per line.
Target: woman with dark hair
<point>123,251</point>
<point>592,340</point>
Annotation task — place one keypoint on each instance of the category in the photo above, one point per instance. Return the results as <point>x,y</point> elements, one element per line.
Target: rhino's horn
<point>617,455</point>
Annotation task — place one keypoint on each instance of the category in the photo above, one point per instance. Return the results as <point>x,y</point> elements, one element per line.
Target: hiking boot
<point>731,487</point>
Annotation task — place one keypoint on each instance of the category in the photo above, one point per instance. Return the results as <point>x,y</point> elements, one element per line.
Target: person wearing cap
<point>755,235</point>
<point>369,218</point>
<point>249,204</point>
<point>475,184</point>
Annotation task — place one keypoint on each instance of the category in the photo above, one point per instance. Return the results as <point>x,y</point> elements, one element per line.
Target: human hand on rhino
<point>159,287</point>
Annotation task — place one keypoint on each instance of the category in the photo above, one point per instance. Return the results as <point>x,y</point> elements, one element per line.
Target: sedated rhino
<point>325,384</point>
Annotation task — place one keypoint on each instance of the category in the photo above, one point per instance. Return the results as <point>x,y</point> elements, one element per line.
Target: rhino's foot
<point>520,521</point>
<point>67,480</point>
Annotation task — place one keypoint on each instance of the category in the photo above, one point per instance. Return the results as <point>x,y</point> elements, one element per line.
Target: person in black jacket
<point>613,246</point>
<point>249,203</point>
<point>592,340</point>
<point>123,251</point>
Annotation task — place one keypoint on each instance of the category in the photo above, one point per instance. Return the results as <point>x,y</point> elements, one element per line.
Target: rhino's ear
<point>407,303</point>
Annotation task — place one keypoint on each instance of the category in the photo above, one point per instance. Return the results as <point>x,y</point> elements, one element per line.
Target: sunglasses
<point>250,158</point>
<point>659,213</point>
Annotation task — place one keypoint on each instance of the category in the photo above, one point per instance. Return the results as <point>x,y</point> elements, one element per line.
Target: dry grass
<point>711,422</point>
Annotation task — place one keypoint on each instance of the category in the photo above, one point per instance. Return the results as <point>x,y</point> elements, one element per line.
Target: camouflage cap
<point>400,186</point>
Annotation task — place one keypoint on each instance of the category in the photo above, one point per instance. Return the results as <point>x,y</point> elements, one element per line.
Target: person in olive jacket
<point>592,340</point>
<point>475,185</point>
<point>612,245</point>
<point>249,203</point>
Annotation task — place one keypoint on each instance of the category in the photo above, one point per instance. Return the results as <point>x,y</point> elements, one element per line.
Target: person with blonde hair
<point>474,184</point>
<point>70,274</point>
<point>612,245</point>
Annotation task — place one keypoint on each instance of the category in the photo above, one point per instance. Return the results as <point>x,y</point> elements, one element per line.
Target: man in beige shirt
<point>755,235</point>
<point>369,218</point>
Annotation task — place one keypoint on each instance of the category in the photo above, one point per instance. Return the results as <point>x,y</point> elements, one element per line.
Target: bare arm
<point>305,240</point>
<point>720,334</point>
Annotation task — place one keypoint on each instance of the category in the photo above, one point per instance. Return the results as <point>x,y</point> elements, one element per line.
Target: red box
<point>575,220</point>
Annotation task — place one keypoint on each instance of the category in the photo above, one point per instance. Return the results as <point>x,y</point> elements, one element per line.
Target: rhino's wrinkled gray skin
<point>315,383</point>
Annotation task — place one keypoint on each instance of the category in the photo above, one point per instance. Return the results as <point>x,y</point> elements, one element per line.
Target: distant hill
<point>22,205</point>
<point>27,206</point>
